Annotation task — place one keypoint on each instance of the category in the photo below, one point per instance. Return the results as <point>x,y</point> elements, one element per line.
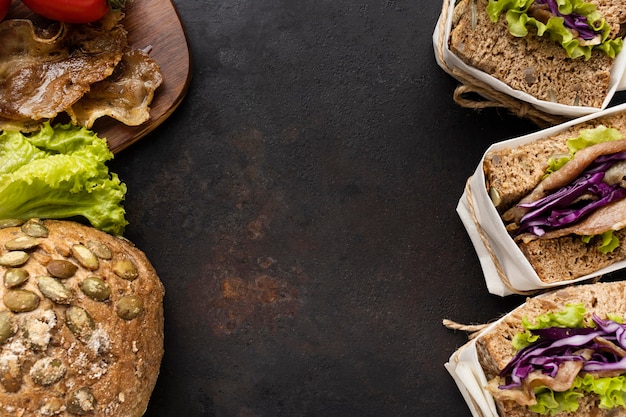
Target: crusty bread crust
<point>532,64</point>
<point>115,362</point>
<point>495,350</point>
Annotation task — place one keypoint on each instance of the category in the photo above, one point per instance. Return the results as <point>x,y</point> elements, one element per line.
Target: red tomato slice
<point>4,8</point>
<point>69,11</point>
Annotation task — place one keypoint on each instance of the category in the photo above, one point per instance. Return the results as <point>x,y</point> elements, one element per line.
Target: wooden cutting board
<point>155,24</point>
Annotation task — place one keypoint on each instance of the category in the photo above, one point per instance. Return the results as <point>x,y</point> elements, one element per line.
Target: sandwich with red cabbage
<point>562,198</point>
<point>559,354</point>
<point>559,51</point>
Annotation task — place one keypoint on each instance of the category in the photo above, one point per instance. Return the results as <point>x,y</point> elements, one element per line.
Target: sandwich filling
<point>575,24</point>
<point>584,193</point>
<point>561,358</point>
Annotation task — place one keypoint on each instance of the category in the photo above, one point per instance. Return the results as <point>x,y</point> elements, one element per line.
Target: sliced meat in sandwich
<point>560,354</point>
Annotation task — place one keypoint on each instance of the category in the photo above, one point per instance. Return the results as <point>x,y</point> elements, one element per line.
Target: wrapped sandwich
<point>551,207</point>
<point>559,354</point>
<point>562,56</point>
<point>81,322</point>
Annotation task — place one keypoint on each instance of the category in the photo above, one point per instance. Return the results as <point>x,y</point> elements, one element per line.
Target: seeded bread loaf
<point>495,349</point>
<point>81,322</point>
<point>533,64</point>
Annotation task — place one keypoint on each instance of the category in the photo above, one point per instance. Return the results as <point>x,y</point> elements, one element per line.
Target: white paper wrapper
<point>450,60</point>
<point>506,269</point>
<point>469,377</point>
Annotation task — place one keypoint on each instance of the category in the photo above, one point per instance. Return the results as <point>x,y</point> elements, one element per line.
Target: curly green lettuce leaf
<point>615,317</point>
<point>519,21</point>
<point>585,138</point>
<point>497,7</point>
<point>60,172</point>
<point>552,403</point>
<point>611,390</point>
<point>573,316</point>
<point>589,137</point>
<point>608,242</point>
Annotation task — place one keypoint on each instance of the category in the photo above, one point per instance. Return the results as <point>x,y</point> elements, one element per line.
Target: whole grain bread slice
<point>533,64</point>
<point>568,257</point>
<point>495,350</point>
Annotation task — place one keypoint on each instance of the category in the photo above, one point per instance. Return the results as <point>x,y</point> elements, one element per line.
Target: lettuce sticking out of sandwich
<point>59,172</point>
<point>575,24</point>
<point>560,358</point>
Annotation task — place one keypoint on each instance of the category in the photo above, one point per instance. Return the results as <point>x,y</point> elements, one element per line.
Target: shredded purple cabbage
<point>565,206</point>
<point>557,345</point>
<point>574,21</point>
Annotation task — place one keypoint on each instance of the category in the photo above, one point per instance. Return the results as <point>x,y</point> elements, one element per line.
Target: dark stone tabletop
<point>300,209</point>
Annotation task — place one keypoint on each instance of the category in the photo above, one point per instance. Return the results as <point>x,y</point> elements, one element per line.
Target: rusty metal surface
<point>300,209</point>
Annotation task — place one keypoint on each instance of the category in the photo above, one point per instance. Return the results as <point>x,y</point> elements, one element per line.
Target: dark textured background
<point>299,207</point>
